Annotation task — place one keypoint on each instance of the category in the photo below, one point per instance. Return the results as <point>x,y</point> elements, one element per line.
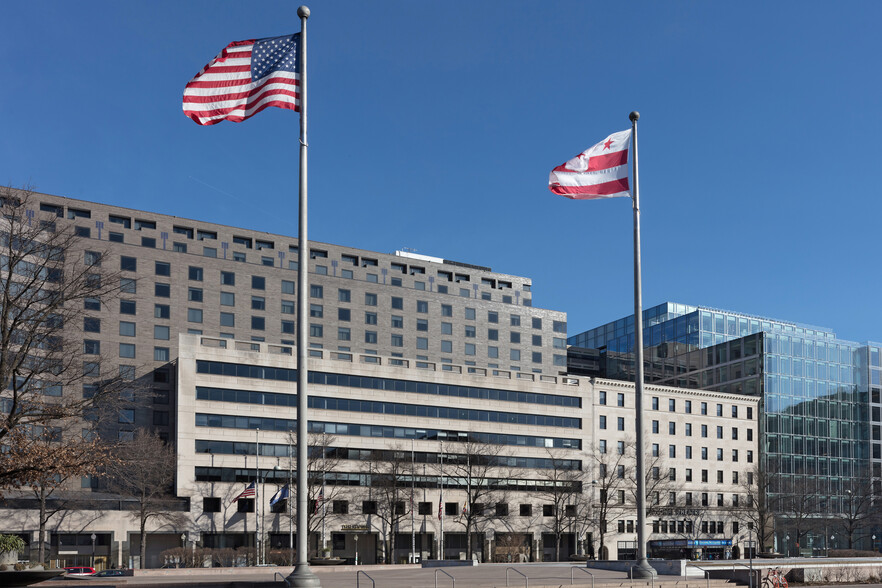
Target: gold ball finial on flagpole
<point>303,12</point>
<point>634,116</point>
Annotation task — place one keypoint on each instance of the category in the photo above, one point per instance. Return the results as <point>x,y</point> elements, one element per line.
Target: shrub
<point>9,543</point>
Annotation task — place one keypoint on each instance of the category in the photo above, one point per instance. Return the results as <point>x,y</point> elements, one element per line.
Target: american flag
<point>248,492</point>
<point>245,78</point>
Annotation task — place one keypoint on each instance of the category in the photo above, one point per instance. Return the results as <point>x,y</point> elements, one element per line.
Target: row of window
<point>364,479</point>
<point>390,384</point>
<point>355,454</point>
<point>381,431</point>
<point>672,405</point>
<point>686,527</point>
<point>390,408</point>
<point>672,428</point>
<point>130,264</point>
<point>672,451</point>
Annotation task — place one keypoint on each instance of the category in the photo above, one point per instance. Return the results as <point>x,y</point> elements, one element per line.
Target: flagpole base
<point>643,570</point>
<point>303,577</point>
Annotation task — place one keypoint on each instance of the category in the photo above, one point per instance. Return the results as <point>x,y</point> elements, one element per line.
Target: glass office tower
<point>816,390</point>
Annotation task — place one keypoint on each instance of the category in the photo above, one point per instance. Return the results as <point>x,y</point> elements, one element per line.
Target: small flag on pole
<point>248,492</point>
<point>279,496</point>
<point>245,78</point>
<point>440,508</point>
<point>318,502</point>
<point>600,171</point>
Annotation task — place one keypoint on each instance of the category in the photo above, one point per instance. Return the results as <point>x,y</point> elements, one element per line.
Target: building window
<point>370,299</point>
<point>258,323</point>
<point>423,343</point>
<point>161,311</point>
<point>194,315</point>
<point>316,291</point>
<point>126,350</point>
<point>397,302</point>
<point>195,273</point>
<point>343,334</point>
<point>258,303</point>
<point>397,341</point>
<point>228,279</point>
<point>229,299</point>
<point>126,329</point>
<point>258,283</point>
<point>446,310</point>
<point>344,295</point>
<point>91,324</point>
<point>127,264</point>
<point>194,294</point>
<point>91,347</point>
<point>370,337</point>
<point>227,319</point>
<point>315,330</point>
<point>127,307</point>
<point>160,332</point>
<point>344,314</point>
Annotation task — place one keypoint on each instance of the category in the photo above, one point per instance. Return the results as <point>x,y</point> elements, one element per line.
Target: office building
<point>819,395</point>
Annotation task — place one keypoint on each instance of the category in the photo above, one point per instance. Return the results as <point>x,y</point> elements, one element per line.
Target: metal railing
<point>446,574</point>
<point>526,579</point>
<point>750,582</point>
<point>572,574</point>
<point>358,579</point>
<point>284,579</point>
<point>706,573</point>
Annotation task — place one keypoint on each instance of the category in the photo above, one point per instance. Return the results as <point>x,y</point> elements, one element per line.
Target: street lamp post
<point>787,544</point>
<point>93,536</point>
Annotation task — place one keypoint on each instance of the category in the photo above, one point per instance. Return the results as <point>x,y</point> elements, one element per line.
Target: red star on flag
<point>607,144</point>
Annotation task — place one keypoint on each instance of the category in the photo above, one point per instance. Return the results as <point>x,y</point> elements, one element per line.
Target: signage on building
<point>353,527</point>
<point>687,512</point>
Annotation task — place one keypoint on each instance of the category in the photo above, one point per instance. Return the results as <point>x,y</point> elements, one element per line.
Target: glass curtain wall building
<point>815,389</point>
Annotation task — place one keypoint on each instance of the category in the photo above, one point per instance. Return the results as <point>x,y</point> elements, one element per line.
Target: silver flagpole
<point>302,576</point>
<point>257,494</point>
<point>642,569</point>
<point>412,492</point>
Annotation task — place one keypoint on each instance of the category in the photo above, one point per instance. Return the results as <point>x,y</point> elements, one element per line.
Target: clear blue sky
<point>433,126</point>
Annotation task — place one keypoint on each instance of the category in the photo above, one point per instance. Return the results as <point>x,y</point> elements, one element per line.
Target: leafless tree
<point>762,505</point>
<point>48,279</point>
<point>799,505</point>
<point>610,485</point>
<point>858,510</point>
<point>391,490</point>
<point>145,473</point>
<point>562,491</point>
<point>323,460</point>
<point>477,464</point>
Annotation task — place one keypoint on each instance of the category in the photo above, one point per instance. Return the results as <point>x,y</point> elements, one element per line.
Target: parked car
<point>79,571</point>
<point>108,573</point>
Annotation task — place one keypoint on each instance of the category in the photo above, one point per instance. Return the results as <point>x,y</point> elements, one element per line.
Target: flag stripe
<point>608,160</point>
<point>619,187</point>
<point>227,89</point>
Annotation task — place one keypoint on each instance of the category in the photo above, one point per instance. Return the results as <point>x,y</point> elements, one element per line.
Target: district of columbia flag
<point>248,492</point>
<point>245,78</point>
<point>601,171</point>
<point>279,496</point>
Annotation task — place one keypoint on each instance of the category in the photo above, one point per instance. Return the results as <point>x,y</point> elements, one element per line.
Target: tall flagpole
<point>412,492</point>
<point>257,493</point>
<point>642,569</point>
<point>302,576</point>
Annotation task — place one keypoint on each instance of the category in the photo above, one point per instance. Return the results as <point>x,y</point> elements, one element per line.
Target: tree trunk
<point>42,532</point>
<point>143,542</point>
